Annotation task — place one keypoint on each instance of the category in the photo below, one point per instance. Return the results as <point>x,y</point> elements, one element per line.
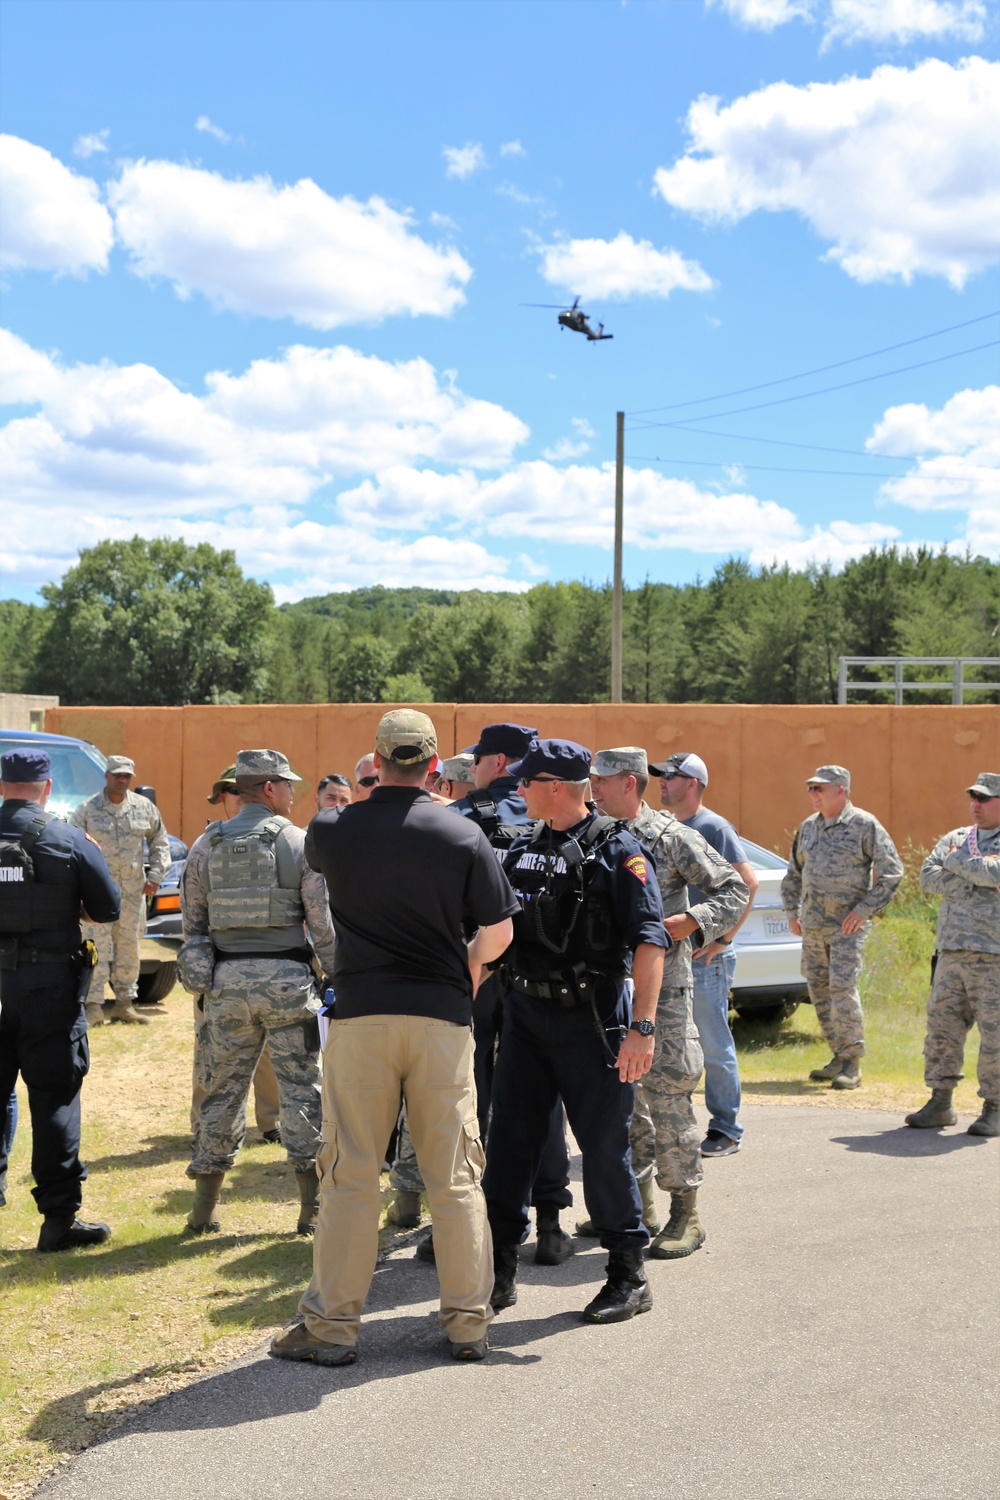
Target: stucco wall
<point>909,764</point>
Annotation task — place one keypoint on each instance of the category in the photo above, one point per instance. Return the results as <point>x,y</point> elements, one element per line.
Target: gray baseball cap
<point>623,760</point>
<point>834,775</point>
<point>405,734</point>
<point>683,763</point>
<point>270,764</point>
<point>987,782</point>
<point>458,768</point>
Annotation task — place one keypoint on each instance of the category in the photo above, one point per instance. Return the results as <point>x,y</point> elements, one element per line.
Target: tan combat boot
<point>404,1210</point>
<point>124,1010</point>
<point>824,1075</point>
<point>849,1076</point>
<point>207,1187</point>
<point>95,1013</point>
<point>683,1234</point>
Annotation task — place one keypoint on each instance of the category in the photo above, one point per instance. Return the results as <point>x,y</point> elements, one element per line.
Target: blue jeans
<point>712,983</point>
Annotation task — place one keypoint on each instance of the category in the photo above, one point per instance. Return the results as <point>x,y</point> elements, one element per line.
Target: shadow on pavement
<point>904,1141</point>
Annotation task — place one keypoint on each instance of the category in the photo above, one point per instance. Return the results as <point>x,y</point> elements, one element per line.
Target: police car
<point>768,984</point>
<point>77,773</point>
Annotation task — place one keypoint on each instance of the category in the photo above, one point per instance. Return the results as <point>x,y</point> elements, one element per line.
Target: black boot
<point>504,1292</point>
<point>625,1293</point>
<point>425,1248</point>
<point>554,1244</point>
<point>70,1234</point>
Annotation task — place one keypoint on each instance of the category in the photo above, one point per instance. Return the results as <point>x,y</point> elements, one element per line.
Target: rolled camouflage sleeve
<point>316,901</point>
<point>159,849</point>
<point>887,872</point>
<point>194,898</point>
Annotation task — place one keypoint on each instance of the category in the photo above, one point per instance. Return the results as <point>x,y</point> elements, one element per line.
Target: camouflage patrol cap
<point>624,760</point>
<point>270,764</point>
<point>225,783</point>
<point>458,768</point>
<point>986,782</point>
<point>120,765</point>
<point>835,775</point>
<point>405,734</point>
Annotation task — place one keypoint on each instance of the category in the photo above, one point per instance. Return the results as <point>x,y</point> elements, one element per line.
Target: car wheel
<point>156,985</point>
<point>767,1013</point>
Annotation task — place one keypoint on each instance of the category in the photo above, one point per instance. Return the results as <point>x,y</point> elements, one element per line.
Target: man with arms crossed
<point>403,880</point>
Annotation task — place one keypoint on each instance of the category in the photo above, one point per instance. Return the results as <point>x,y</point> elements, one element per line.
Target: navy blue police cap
<point>563,760</point>
<point>25,765</point>
<point>504,739</point>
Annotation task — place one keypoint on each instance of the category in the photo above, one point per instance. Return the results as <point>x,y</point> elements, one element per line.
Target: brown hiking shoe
<point>683,1234</point>
<point>298,1343</point>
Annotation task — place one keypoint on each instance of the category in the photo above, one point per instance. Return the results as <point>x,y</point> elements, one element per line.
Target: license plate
<point>777,927</point>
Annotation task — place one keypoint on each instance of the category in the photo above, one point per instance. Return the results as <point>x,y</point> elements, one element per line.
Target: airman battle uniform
<point>588,899</point>
<point>48,869</point>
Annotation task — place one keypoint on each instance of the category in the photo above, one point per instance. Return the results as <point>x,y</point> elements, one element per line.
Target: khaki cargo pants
<point>368,1062</point>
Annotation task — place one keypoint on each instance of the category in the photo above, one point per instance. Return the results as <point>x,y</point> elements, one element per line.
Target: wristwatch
<point>644,1028</point>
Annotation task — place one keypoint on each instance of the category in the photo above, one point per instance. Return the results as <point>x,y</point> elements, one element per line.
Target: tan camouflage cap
<point>225,783</point>
<point>119,765</point>
<point>458,768</point>
<point>835,775</point>
<point>270,764</point>
<point>405,734</point>
<point>986,782</point>
<point>624,760</point>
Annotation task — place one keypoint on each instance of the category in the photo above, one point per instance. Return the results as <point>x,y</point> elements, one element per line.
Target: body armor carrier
<point>563,926</point>
<point>241,876</point>
<point>25,904</point>
<point>486,813</point>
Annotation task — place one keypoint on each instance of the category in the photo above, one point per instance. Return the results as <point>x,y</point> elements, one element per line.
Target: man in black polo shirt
<point>405,882</point>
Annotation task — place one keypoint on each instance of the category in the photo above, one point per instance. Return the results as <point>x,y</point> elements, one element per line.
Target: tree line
<point>159,622</point>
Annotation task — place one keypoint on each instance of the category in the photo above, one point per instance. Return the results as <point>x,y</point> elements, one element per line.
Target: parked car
<point>77,773</point>
<point>768,985</point>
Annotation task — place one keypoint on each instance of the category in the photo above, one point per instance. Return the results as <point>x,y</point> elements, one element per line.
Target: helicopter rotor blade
<point>554,306</point>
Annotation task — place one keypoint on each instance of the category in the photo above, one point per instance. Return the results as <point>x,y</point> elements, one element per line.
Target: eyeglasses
<point>367,781</point>
<point>527,780</point>
<point>981,797</point>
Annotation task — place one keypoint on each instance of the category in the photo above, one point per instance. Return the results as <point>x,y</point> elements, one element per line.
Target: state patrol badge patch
<point>91,841</point>
<point>636,865</point>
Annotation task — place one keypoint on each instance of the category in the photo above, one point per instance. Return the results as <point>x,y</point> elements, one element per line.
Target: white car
<point>768,983</point>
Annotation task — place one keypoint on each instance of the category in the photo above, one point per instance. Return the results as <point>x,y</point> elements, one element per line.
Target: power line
<point>844,385</point>
<point>743,437</point>
<point>819,370</point>
<point>703,463</point>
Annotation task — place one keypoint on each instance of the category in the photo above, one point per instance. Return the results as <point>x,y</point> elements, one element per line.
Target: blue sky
<point>264,267</point>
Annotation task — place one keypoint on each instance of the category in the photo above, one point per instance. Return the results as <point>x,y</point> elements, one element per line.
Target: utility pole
<point>616,598</point>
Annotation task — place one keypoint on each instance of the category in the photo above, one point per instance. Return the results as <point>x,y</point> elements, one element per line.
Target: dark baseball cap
<point>504,739</point>
<point>25,765</point>
<point>563,760</point>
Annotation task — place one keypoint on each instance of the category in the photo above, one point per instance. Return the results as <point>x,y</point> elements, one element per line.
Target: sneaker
<point>298,1343</point>
<point>718,1144</point>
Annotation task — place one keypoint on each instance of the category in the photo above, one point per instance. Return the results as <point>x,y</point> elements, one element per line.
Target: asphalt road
<point>836,1338</point>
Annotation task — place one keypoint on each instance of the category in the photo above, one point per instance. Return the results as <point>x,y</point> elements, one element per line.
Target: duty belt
<point>575,990</point>
<point>44,956</point>
<point>297,955</point>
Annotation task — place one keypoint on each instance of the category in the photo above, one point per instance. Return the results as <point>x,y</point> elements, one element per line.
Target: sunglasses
<point>817,788</point>
<point>527,780</point>
<point>367,781</point>
<point>676,776</point>
<point>981,797</point>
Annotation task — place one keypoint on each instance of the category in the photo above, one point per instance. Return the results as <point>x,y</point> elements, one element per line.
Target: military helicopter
<point>575,319</point>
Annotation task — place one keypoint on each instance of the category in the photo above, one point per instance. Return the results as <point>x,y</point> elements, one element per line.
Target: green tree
<point>21,629</point>
<point>155,623</point>
<point>364,671</point>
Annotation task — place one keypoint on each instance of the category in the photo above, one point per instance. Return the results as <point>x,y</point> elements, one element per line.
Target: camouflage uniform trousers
<point>253,1000</point>
<point>266,1104</point>
<point>966,991</point>
<point>404,1175</point>
<point>117,946</point>
<point>831,964</point>
<point>664,1132</point>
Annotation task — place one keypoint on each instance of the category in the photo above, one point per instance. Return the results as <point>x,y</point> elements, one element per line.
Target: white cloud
<point>512,148</point>
<point>205,125</point>
<point>53,219</point>
<point>88,145</point>
<point>897,170</point>
<point>465,160</point>
<point>764,15</point>
<point>281,251</point>
<point>574,446</point>
<point>835,544</point>
<point>959,467</point>
<point>899,21</point>
<point>622,267</point>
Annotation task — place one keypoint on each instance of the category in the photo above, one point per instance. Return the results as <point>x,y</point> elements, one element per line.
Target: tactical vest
<point>25,904</point>
<point>563,923</point>
<point>486,813</point>
<point>241,879</point>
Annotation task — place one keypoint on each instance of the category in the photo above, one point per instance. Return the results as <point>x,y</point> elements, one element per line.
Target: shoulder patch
<point>637,866</point>
<point>91,840</point>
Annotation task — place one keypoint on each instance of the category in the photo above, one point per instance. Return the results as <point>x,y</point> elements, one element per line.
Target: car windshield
<point>763,859</point>
<point>77,772</point>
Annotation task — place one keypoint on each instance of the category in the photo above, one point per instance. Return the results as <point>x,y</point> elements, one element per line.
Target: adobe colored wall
<point>909,765</point>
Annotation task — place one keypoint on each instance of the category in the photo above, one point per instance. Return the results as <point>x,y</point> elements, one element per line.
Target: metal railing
<point>897,684</point>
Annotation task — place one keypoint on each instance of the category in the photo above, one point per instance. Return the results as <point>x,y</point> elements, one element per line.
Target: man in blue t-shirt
<point>683,779</point>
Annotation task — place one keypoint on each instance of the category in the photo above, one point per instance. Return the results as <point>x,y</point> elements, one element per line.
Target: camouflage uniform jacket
<point>121,828</point>
<point>967,876</point>
<point>684,858</point>
<point>312,888</point>
<point>849,864</point>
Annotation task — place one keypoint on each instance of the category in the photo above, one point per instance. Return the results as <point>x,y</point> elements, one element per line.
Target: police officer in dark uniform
<point>585,967</point>
<point>47,870</point>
